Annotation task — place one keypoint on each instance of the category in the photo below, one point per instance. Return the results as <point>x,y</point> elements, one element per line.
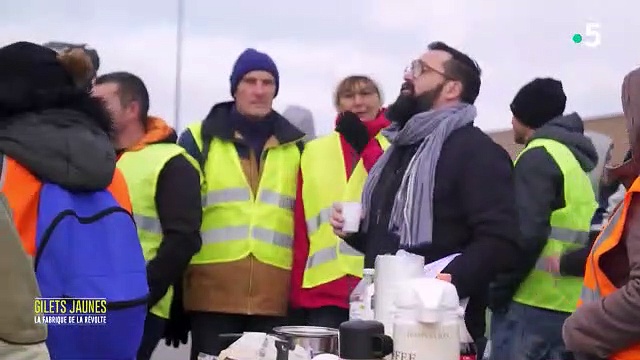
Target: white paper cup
<point>352,213</point>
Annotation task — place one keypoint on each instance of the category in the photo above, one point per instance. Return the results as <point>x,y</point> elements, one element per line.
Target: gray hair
<point>302,118</point>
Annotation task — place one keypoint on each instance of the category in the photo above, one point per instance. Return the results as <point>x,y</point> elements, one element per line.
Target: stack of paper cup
<point>390,271</point>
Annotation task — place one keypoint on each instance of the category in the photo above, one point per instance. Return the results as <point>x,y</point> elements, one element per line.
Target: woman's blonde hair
<point>350,83</point>
<point>79,66</point>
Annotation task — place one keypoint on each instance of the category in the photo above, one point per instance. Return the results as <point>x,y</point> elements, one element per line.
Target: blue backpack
<point>88,247</point>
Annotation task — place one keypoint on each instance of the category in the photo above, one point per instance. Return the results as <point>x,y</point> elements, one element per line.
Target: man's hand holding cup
<point>345,218</point>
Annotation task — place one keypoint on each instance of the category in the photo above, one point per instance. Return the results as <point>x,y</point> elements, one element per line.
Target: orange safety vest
<point>596,285</point>
<point>22,190</point>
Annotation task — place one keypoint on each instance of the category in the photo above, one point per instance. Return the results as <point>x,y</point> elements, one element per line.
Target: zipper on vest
<point>251,259</point>
<point>355,160</point>
<point>253,174</point>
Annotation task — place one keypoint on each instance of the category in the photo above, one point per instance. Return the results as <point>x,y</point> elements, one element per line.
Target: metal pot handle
<point>283,346</point>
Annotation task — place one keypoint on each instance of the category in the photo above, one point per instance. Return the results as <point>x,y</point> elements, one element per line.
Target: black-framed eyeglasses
<point>419,67</point>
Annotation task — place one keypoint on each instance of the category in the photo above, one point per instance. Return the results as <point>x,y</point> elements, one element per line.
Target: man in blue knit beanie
<point>249,61</point>
<point>250,157</point>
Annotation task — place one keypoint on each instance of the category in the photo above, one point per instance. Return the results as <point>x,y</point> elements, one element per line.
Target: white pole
<point>178,84</point>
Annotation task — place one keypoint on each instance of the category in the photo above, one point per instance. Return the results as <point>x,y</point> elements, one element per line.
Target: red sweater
<point>334,293</point>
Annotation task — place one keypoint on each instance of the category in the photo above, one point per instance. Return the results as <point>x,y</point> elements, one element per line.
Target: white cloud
<point>308,72</point>
<point>516,41</point>
<point>452,21</point>
<point>513,43</point>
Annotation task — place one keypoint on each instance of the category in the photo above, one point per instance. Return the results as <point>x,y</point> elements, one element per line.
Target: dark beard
<point>407,104</point>
<point>402,109</point>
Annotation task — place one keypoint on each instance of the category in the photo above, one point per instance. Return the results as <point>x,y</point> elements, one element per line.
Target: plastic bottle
<point>360,300</point>
<point>487,351</point>
<point>468,351</point>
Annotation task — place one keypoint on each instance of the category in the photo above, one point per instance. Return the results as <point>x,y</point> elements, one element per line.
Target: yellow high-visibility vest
<point>236,222</point>
<point>141,169</point>
<point>569,230</point>
<point>325,182</point>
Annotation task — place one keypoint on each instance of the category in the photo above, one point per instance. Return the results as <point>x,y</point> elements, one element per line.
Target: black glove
<point>353,130</point>
<point>178,326</point>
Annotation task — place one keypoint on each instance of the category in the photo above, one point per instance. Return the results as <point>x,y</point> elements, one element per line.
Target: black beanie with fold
<point>538,102</point>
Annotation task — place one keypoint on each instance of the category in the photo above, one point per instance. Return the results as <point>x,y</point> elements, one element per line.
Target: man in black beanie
<point>555,202</point>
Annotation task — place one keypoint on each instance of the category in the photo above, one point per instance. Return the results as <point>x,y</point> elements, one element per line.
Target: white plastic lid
<point>368,272</point>
<point>434,300</point>
<point>406,297</point>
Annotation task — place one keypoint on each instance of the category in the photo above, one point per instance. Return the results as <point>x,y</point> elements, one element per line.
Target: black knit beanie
<point>538,102</point>
<point>31,78</point>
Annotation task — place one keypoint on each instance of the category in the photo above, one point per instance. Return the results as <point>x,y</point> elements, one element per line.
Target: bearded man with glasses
<point>443,187</point>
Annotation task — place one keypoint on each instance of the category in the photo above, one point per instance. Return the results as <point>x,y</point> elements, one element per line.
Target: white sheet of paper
<point>434,268</point>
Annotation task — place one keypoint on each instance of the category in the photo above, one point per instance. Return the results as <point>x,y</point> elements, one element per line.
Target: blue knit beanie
<point>252,60</point>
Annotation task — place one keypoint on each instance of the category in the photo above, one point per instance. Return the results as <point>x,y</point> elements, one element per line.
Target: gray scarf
<point>412,213</point>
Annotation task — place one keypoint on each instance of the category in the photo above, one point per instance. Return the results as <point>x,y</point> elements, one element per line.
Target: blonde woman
<point>320,287</point>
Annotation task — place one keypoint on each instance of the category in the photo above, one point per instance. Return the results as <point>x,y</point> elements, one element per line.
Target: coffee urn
<point>364,340</point>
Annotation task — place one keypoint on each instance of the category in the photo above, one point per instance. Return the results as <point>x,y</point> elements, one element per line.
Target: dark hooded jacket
<point>63,146</point>
<point>49,125</point>
<point>539,192</point>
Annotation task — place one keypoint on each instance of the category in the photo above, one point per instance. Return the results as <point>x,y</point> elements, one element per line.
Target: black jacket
<point>180,213</point>
<point>539,192</point>
<point>474,213</point>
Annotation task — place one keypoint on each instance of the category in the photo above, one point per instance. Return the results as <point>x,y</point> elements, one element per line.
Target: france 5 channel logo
<point>590,37</point>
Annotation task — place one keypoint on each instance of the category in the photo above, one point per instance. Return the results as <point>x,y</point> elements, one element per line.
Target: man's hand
<point>552,264</point>
<point>337,220</point>
<point>444,277</point>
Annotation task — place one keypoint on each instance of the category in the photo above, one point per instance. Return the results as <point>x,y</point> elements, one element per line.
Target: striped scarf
<point>412,212</point>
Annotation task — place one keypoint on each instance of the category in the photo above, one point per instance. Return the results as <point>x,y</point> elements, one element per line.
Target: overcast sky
<point>316,43</point>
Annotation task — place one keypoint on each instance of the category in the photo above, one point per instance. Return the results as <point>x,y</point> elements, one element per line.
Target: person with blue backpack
<point>70,204</point>
<point>164,185</point>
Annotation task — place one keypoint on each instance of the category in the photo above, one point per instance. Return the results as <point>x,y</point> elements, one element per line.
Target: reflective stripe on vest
<point>243,194</point>
<point>141,169</point>
<point>569,230</point>
<point>330,258</point>
<point>596,283</point>
<point>566,236</point>
<point>236,223</point>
